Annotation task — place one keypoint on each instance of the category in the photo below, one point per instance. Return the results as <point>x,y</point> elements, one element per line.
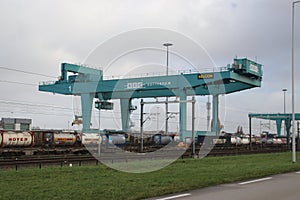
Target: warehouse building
<point>17,124</point>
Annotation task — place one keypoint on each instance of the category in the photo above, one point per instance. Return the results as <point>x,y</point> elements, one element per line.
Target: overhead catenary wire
<point>47,106</point>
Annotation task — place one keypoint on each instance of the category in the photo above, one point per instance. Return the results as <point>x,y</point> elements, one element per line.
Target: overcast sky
<point>36,36</point>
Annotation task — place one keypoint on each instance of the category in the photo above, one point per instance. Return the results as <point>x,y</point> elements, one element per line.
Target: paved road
<point>278,187</point>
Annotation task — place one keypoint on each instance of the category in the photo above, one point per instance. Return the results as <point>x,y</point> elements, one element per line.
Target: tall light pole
<point>208,107</point>
<point>293,83</point>
<point>167,108</point>
<point>284,108</point>
<point>284,104</point>
<point>157,122</point>
<point>98,105</point>
<point>168,45</point>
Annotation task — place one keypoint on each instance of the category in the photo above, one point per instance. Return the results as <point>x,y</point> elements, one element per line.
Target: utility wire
<point>32,104</point>
<point>26,72</point>
<point>19,83</point>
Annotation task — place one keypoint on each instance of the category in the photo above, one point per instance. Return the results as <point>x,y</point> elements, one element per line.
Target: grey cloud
<point>38,36</point>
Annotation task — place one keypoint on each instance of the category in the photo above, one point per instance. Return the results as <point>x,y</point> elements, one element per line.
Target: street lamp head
<point>284,90</point>
<point>167,44</point>
<point>295,2</point>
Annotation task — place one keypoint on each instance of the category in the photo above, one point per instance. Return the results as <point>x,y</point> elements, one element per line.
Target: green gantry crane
<point>88,83</point>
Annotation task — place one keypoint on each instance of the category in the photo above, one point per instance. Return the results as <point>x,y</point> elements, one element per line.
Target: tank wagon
<point>90,138</point>
<point>159,139</point>
<point>228,140</point>
<point>55,138</point>
<point>16,139</point>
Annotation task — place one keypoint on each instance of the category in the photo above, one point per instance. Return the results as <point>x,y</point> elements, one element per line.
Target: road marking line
<point>254,181</point>
<point>174,197</point>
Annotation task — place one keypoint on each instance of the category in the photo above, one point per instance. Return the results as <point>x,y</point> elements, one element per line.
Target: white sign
<point>253,68</point>
<point>138,85</point>
<point>163,83</point>
<point>134,85</point>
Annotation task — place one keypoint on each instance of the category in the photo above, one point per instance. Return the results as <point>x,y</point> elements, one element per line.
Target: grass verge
<point>100,182</point>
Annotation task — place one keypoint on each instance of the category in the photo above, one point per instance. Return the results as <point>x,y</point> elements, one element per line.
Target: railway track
<point>43,161</point>
<point>70,160</point>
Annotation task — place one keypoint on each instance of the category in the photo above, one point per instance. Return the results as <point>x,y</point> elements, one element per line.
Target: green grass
<point>100,182</point>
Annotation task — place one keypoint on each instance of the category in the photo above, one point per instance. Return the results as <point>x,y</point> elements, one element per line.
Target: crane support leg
<point>215,113</point>
<point>86,106</point>
<point>125,113</point>
<point>288,126</point>
<point>278,126</point>
<point>182,116</point>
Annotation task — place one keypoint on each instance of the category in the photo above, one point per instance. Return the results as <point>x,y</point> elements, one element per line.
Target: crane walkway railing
<point>155,74</point>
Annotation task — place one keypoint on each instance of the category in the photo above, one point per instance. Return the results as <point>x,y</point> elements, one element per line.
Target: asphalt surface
<point>277,187</point>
